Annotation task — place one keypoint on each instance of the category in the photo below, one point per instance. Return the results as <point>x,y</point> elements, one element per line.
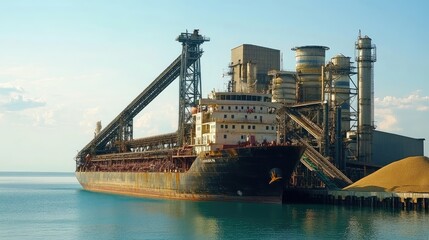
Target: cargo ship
<point>226,146</point>
<point>235,156</point>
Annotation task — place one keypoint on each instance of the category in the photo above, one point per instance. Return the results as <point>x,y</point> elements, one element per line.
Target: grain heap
<point>407,175</point>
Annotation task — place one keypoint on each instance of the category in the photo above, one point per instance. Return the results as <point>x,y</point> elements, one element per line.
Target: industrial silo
<point>284,87</point>
<point>365,58</point>
<point>341,88</point>
<point>309,60</point>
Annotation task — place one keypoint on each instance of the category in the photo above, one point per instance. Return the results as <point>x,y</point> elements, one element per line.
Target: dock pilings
<point>382,200</point>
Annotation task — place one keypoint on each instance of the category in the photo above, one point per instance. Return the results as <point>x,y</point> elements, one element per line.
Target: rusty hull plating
<point>233,174</point>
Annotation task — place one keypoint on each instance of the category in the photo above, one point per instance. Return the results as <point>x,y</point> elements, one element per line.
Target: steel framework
<point>114,136</point>
<point>190,82</point>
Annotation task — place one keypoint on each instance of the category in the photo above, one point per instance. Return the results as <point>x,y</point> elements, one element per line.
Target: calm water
<point>53,206</point>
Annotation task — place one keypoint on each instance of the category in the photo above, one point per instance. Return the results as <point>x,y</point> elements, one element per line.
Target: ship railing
<point>133,155</point>
<point>243,121</point>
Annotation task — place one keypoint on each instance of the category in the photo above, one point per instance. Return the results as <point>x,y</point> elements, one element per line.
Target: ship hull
<point>254,174</point>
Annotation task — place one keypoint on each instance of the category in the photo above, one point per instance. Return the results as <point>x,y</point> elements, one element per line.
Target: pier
<point>382,200</point>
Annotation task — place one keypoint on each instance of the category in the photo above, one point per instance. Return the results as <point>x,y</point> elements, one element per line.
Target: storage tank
<point>309,60</point>
<point>284,87</point>
<point>341,88</point>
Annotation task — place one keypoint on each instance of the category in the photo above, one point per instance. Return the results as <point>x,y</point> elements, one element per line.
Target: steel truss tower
<point>189,82</point>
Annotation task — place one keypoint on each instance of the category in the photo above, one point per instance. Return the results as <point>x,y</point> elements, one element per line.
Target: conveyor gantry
<point>121,128</point>
<point>325,170</point>
<point>304,122</point>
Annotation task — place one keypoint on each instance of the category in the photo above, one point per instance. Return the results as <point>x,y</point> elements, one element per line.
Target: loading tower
<point>190,82</point>
<point>117,136</point>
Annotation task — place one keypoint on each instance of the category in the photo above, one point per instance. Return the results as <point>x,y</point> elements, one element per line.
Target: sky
<point>64,65</point>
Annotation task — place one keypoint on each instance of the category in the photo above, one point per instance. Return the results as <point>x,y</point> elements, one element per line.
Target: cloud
<point>413,101</point>
<point>21,72</point>
<point>386,120</point>
<point>8,88</point>
<point>89,119</point>
<point>19,102</point>
<point>156,119</point>
<point>390,109</point>
<point>44,118</point>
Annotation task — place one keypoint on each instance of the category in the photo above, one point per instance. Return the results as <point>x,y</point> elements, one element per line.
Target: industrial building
<point>389,147</point>
<point>324,108</point>
<point>249,66</point>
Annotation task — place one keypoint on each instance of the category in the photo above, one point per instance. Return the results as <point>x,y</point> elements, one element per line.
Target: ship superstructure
<point>227,119</point>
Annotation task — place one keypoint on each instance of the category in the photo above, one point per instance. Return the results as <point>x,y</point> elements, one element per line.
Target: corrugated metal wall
<point>389,147</point>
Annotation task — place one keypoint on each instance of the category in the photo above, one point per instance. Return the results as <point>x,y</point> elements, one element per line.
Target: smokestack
<point>365,58</point>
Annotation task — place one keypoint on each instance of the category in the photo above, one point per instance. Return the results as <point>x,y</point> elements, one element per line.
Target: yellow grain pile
<point>407,175</point>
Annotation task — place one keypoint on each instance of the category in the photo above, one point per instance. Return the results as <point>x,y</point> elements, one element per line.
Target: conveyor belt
<point>110,132</point>
<point>326,171</point>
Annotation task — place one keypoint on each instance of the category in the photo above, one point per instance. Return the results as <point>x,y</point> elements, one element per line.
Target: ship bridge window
<point>228,97</point>
<point>233,97</point>
<point>259,98</point>
<point>254,98</point>
<point>238,97</point>
<point>222,97</point>
<point>248,98</point>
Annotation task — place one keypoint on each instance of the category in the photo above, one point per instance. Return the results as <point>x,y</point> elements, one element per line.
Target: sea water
<point>54,206</point>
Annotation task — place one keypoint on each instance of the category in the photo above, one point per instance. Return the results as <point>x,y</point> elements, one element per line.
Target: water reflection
<point>40,208</point>
<point>224,220</point>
